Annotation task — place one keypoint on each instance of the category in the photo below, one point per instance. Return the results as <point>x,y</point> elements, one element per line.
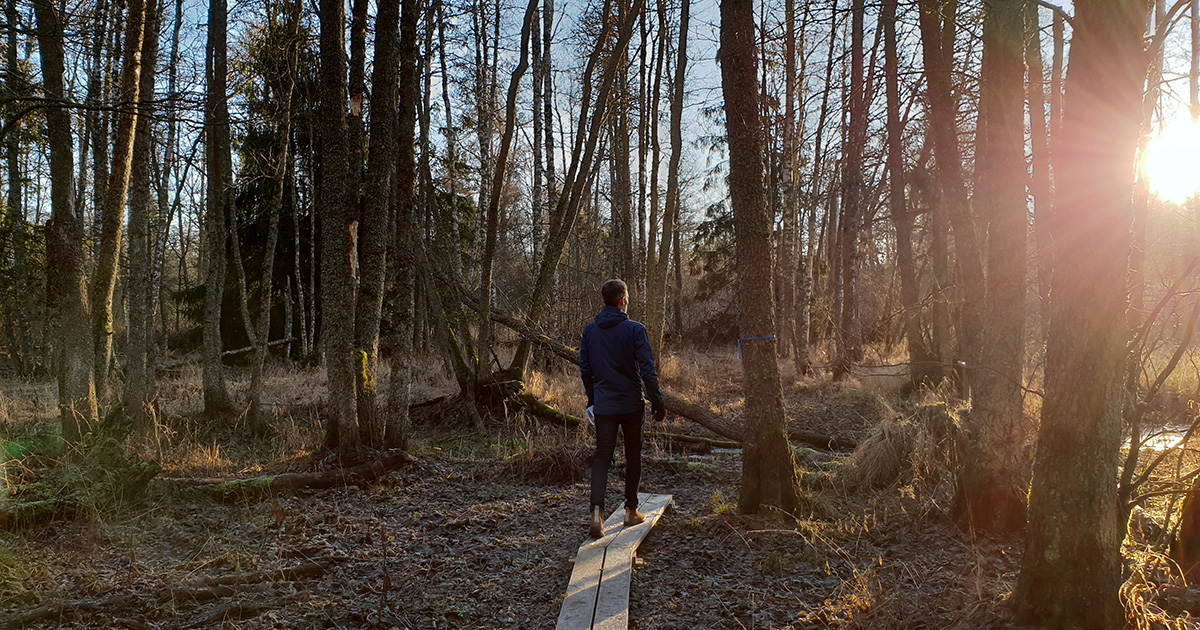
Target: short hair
<point>612,292</point>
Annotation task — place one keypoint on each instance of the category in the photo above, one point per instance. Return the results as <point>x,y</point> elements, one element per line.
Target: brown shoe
<point>633,517</point>
<point>597,528</point>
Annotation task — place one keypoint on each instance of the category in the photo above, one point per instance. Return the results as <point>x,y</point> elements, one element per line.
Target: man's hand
<point>659,414</point>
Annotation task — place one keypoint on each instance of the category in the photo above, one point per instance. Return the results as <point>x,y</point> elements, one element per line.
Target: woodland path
<point>598,594</point>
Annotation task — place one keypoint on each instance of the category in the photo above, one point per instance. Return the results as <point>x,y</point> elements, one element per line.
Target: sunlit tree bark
<point>990,490</point>
<point>113,212</point>
<point>1071,568</point>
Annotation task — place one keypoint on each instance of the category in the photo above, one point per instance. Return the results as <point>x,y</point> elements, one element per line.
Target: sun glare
<point>1172,161</point>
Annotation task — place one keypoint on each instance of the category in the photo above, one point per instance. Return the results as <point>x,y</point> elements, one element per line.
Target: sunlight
<point>1172,161</point>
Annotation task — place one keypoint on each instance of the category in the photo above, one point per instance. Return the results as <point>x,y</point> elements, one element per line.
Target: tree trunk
<point>768,469</point>
<point>921,367</point>
<point>621,205</point>
<point>655,148</point>
<point>1039,186</point>
<point>377,223</point>
<point>587,135</point>
<point>853,203</point>
<point>357,87</point>
<point>990,489</point>
<point>1071,568</point>
<point>937,45</point>
<point>219,201</point>
<point>537,207</point>
<point>657,291</point>
<point>258,420</point>
<point>99,88</point>
<point>339,234</point>
<point>785,269</point>
<point>239,269</point>
<point>139,373</point>
<point>66,298</point>
<point>16,209</point>
<point>808,262</point>
<point>112,213</point>
<point>396,424</point>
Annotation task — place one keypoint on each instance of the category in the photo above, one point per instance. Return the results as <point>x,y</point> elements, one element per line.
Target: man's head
<point>615,293</point>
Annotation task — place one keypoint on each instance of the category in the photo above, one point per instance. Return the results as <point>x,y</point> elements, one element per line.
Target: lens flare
<point>1172,162</point>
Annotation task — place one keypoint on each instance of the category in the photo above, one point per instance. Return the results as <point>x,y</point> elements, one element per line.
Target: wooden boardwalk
<point>598,595</point>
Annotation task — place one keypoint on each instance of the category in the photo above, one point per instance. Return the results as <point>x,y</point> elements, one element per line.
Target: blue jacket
<point>617,366</point>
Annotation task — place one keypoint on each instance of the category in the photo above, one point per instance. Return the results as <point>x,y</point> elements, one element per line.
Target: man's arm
<point>585,369</point>
<point>645,359</point>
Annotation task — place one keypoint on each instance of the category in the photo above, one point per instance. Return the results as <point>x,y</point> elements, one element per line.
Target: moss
<point>362,370</point>
<point>13,572</point>
<point>243,488</point>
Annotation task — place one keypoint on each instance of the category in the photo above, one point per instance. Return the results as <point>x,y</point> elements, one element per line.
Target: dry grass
<point>916,448</point>
<point>1153,579</point>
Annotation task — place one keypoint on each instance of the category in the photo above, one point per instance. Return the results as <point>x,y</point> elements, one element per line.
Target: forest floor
<point>480,532</point>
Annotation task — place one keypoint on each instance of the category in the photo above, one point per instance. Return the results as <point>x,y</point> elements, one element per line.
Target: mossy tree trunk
<point>404,261</point>
<point>339,234</point>
<point>67,296</point>
<point>1071,569</point>
<point>377,224</point>
<point>768,470</point>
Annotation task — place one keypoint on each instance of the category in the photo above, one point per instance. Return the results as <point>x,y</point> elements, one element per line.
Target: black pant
<point>606,442</point>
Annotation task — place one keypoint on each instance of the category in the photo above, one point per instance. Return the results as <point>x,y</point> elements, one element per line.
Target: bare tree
<point>16,209</point>
<point>497,186</point>
<point>284,90</point>
<point>139,374</point>
<point>219,198</point>
<point>657,287</point>
<point>1071,569</point>
<point>66,297</point>
<point>339,235</point>
<point>990,491</point>
<point>768,469</point>
<point>849,341</point>
<point>112,213</point>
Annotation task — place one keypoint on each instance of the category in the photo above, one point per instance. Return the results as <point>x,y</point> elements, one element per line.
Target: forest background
<point>950,194</point>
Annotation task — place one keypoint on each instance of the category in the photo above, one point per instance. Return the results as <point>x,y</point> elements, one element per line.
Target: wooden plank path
<point>598,595</point>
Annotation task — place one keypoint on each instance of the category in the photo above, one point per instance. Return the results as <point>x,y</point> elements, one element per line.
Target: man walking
<point>617,368</point>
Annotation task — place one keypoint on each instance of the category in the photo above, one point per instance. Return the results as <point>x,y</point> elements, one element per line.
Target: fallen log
<point>61,611</point>
<point>692,439</point>
<point>728,428</point>
<point>237,489</point>
<point>539,409</point>
<point>171,365</point>
<point>703,416</point>
<point>213,588</point>
<point>822,441</point>
<point>305,571</point>
<point>19,515</point>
